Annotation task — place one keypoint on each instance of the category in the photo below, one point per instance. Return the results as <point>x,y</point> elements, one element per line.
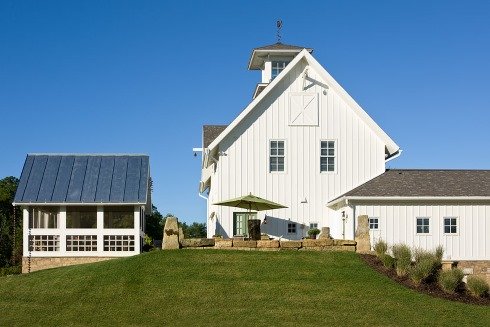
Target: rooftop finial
<point>279,27</point>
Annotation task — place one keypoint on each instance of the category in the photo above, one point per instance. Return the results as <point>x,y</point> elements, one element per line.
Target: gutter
<point>348,199</point>
<point>76,204</point>
<point>394,155</point>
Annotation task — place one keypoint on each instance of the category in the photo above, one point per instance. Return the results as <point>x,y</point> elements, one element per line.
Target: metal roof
<point>84,178</point>
<point>425,183</point>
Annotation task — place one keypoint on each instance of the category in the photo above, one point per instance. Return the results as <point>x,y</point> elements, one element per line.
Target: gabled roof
<point>420,184</point>
<point>261,53</point>
<point>211,132</point>
<point>84,179</point>
<point>282,46</point>
<point>391,147</point>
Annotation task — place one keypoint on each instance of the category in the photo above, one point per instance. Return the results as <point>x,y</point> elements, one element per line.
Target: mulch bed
<point>431,289</point>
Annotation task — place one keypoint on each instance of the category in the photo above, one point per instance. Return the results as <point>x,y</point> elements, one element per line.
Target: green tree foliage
<point>154,224</point>
<point>195,230</point>
<point>10,224</point>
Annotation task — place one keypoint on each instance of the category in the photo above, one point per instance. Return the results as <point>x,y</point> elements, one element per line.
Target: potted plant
<point>313,233</point>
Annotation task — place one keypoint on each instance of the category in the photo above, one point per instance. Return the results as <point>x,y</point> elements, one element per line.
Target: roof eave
<point>348,199</point>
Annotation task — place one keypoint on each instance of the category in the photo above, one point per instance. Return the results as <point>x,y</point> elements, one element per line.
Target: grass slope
<point>204,287</point>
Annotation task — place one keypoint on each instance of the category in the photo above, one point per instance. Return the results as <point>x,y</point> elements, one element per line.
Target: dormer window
<point>277,68</point>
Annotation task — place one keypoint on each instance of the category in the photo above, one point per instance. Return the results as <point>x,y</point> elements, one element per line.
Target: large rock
<point>223,243</point>
<point>362,235</point>
<point>171,234</point>
<point>197,242</point>
<point>244,244</point>
<point>321,243</point>
<point>269,244</point>
<point>325,234</point>
<point>291,244</point>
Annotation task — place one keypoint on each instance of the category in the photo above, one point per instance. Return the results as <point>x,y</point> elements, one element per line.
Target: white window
<point>313,225</point>
<point>291,228</point>
<point>327,156</point>
<point>423,225</point>
<point>450,225</point>
<point>119,217</point>
<point>118,242</point>
<point>82,243</point>
<point>44,217</point>
<point>373,223</point>
<point>277,68</point>
<point>49,243</point>
<point>276,156</point>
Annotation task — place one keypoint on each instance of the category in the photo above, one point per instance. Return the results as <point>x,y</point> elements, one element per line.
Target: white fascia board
<point>390,144</point>
<point>259,98</point>
<point>347,199</point>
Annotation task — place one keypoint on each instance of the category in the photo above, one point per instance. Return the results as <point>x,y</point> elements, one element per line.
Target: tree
<point>154,224</point>
<point>195,230</point>
<point>10,224</point>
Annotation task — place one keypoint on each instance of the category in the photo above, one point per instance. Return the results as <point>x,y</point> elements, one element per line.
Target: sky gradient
<point>144,76</point>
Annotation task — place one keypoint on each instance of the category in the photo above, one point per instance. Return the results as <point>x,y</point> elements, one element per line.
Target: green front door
<point>240,222</point>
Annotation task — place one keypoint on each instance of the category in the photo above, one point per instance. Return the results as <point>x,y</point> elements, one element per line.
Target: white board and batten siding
<point>243,166</point>
<point>397,224</point>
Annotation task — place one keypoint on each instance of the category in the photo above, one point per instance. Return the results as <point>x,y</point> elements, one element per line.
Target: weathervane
<point>279,27</point>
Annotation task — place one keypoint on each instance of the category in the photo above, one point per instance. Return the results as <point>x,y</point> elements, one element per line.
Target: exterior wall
<point>54,262</point>
<point>243,165</point>
<point>100,232</point>
<point>397,224</point>
<point>479,268</point>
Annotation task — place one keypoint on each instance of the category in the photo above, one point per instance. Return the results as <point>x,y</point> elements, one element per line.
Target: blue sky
<point>144,76</point>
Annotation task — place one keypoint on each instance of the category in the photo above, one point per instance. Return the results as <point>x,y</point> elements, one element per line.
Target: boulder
<point>325,233</point>
<point>309,243</point>
<point>171,234</point>
<point>268,244</point>
<point>291,244</point>
<point>244,244</point>
<point>222,243</point>
<point>362,235</point>
<point>197,242</point>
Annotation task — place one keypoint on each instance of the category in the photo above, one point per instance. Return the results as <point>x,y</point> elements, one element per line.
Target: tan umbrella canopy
<point>251,202</point>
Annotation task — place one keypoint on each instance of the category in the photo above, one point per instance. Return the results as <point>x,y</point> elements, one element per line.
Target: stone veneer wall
<point>479,268</point>
<point>38,263</point>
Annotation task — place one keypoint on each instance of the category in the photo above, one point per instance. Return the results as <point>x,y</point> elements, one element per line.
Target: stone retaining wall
<point>275,245</point>
<point>53,262</point>
<point>479,268</point>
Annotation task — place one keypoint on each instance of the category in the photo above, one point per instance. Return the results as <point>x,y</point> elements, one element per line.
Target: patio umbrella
<point>251,202</point>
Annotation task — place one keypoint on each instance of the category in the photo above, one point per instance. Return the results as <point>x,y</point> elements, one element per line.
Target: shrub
<point>403,258</point>
<point>380,248</point>
<point>423,269</point>
<point>449,280</point>
<point>387,260</point>
<point>439,252</point>
<point>477,286</point>
<point>313,231</point>
<point>14,270</point>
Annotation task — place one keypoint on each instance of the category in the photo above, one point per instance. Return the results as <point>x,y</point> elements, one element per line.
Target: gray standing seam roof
<point>80,178</point>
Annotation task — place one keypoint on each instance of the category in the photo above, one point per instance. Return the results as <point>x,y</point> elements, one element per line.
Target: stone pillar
<point>254,229</point>
<point>362,235</point>
<point>171,234</point>
<point>325,234</point>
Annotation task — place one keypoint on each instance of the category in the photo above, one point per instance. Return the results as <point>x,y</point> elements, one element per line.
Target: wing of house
<point>81,208</point>
<point>301,141</point>
<point>425,209</point>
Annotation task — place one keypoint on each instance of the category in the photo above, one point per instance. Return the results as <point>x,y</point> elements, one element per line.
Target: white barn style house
<point>305,143</point>
<point>81,208</point>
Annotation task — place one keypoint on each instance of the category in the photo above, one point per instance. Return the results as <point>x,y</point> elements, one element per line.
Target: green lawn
<point>204,287</point>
